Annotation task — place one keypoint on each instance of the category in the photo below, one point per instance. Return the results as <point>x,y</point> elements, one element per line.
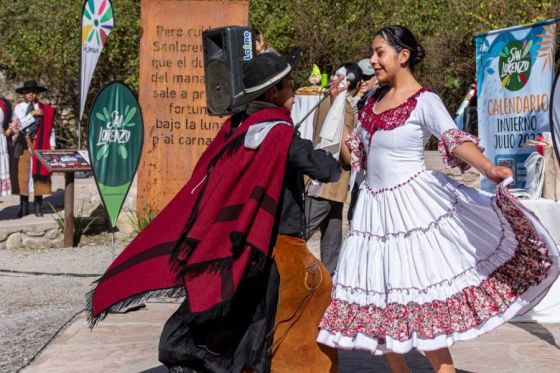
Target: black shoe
<point>37,204</point>
<point>23,206</point>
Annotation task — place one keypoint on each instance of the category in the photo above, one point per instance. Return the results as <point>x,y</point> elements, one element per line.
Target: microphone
<point>350,78</point>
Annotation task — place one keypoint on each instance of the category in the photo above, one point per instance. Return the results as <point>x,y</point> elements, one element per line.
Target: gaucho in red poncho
<point>34,122</point>
<point>213,243</point>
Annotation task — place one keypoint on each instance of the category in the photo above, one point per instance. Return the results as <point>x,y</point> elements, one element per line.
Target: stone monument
<point>172,91</point>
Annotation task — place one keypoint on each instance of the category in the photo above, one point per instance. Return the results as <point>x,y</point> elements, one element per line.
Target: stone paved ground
<point>34,303</point>
<point>128,343</point>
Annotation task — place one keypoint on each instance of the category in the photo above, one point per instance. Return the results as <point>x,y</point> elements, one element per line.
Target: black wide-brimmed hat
<point>30,86</point>
<point>263,72</point>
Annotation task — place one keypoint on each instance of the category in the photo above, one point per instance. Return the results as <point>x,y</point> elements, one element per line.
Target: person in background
<point>262,45</point>
<point>5,132</point>
<point>34,123</point>
<point>324,203</point>
<point>369,83</point>
<point>466,117</point>
<point>367,87</point>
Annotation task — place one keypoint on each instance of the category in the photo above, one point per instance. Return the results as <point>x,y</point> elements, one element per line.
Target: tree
<point>41,40</point>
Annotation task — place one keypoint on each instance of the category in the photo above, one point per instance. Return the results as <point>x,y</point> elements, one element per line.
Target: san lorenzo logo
<point>515,64</point>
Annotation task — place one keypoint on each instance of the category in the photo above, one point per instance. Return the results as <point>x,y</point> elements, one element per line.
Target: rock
<point>14,241</point>
<point>53,234</point>
<point>35,242</point>
<point>124,223</point>
<point>34,233</point>
<point>66,112</point>
<point>3,236</point>
<point>57,242</point>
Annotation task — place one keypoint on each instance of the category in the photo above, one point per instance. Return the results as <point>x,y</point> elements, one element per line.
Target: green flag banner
<point>115,137</point>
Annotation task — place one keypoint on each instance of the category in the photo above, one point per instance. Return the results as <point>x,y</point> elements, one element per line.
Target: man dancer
<point>233,245</point>
<point>35,122</point>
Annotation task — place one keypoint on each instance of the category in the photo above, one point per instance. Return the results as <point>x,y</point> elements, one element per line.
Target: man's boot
<point>23,206</point>
<point>38,203</point>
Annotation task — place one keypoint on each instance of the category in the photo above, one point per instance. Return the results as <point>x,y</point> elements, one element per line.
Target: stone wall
<point>42,236</point>
<point>43,232</point>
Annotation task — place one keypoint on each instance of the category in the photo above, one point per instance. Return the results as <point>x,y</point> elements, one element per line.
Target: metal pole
<point>113,242</point>
<point>79,134</point>
<point>312,110</point>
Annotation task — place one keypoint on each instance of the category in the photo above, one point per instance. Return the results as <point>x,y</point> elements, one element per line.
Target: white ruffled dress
<point>428,261</point>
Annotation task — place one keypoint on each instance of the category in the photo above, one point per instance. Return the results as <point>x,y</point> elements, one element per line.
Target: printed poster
<point>515,70</point>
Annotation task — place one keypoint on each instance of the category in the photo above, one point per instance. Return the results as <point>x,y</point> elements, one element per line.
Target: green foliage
<point>81,225</point>
<point>332,32</point>
<point>139,222</point>
<point>40,39</point>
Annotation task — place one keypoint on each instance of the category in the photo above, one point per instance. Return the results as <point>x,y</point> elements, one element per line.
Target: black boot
<point>37,205</point>
<point>23,206</point>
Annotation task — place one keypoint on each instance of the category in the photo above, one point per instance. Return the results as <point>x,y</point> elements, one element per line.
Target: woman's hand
<point>497,173</point>
<point>37,112</point>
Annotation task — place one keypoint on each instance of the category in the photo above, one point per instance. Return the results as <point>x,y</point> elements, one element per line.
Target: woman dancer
<point>427,261</point>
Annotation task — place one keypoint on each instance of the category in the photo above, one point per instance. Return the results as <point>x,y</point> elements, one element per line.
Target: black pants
<point>327,216</point>
<point>239,339</point>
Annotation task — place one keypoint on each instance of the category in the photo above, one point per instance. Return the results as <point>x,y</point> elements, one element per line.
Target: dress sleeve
<point>437,121</point>
<point>358,160</point>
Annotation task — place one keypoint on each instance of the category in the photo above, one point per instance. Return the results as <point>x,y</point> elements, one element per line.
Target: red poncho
<point>43,138</point>
<point>215,231</point>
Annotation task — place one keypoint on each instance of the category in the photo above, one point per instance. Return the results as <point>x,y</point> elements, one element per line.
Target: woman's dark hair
<point>353,68</point>
<point>399,37</point>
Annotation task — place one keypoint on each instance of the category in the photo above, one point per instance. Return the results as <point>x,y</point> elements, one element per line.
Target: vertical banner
<point>115,138</point>
<point>97,23</point>
<point>555,115</point>
<point>515,69</point>
<point>172,91</point>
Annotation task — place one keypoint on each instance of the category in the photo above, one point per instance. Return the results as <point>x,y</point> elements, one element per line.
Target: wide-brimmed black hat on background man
<point>263,72</point>
<point>30,86</point>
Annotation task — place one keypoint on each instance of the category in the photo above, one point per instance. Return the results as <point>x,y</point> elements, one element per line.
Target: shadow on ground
<point>362,362</point>
<point>538,330</point>
<point>160,369</point>
<point>8,211</point>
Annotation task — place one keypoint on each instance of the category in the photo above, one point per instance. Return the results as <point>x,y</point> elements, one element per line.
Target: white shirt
<point>27,119</point>
<point>1,120</point>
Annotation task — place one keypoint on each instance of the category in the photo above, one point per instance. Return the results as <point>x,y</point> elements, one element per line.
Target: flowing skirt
<point>429,262</point>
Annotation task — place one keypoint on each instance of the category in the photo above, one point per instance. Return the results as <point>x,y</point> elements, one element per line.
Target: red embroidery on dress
<point>467,309</point>
<point>450,140</point>
<point>390,118</point>
<point>358,156</point>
